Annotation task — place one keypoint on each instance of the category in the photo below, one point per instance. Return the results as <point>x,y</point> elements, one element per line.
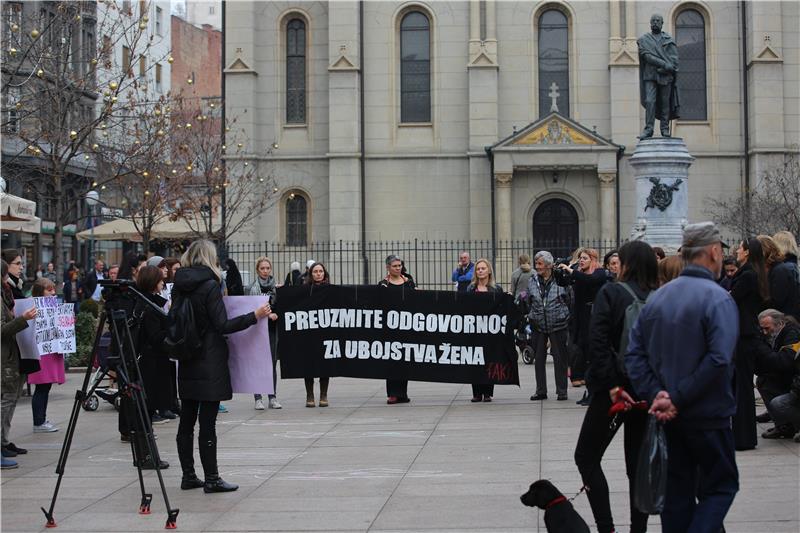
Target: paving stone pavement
<point>439,464</point>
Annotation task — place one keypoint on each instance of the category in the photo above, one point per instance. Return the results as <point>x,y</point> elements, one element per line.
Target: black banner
<point>373,332</point>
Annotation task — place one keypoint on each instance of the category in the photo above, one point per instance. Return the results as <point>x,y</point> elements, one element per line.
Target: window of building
<point>158,77</point>
<point>126,60</point>
<point>142,66</point>
<point>142,8</point>
<point>211,10</point>
<point>126,6</point>
<point>690,36</point>
<point>415,68</point>
<point>296,220</point>
<point>159,19</point>
<point>296,71</point>
<point>553,62</point>
<point>11,118</point>
<point>106,51</point>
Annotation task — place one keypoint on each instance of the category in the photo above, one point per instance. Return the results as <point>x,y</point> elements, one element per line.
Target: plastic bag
<point>650,485</point>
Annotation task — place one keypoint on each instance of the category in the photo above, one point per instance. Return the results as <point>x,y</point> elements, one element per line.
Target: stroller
<point>107,392</point>
<point>523,337</point>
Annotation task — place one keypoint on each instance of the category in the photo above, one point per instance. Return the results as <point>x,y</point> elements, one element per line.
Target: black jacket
<point>16,287</point>
<point>748,300</point>
<point>779,359</point>
<point>607,323</point>
<point>153,358</point>
<point>784,288</point>
<point>294,279</point>
<point>90,283</point>
<point>73,291</point>
<point>207,378</point>
<point>585,287</point>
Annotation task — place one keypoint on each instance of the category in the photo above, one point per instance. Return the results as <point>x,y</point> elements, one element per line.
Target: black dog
<point>559,515</point>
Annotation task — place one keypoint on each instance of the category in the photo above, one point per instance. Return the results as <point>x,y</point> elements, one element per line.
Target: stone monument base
<point>661,169</point>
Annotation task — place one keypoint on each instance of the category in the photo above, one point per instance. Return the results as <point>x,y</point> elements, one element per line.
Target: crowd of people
<point>608,323</point>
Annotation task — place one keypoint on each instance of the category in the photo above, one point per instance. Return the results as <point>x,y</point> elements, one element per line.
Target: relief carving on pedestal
<point>661,194</point>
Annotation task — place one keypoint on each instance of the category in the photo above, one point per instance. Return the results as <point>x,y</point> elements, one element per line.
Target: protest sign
<point>375,332</point>
<point>250,358</point>
<point>52,331</point>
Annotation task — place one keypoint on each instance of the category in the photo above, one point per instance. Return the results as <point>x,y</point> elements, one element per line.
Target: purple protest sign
<point>250,360</point>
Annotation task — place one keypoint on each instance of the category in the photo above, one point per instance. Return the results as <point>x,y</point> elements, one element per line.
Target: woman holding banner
<point>205,381</point>
<point>52,371</point>
<point>482,282</point>
<point>264,284</point>
<point>317,276</point>
<point>396,389</point>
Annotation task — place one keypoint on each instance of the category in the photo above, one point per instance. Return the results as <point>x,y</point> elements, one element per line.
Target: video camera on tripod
<point>121,297</point>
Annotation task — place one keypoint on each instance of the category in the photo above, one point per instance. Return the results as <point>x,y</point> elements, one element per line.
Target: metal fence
<point>430,262</point>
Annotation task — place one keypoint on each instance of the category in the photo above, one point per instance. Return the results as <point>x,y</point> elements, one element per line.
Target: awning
<point>124,230</point>
<point>18,214</point>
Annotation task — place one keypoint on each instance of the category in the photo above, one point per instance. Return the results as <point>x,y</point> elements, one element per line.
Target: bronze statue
<point>658,70</point>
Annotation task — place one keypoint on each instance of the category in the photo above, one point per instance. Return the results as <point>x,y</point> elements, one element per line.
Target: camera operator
<point>587,279</point>
<point>776,366</point>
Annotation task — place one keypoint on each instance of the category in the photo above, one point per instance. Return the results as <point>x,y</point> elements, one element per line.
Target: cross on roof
<point>554,94</point>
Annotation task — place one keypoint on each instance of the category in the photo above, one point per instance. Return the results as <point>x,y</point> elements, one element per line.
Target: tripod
<point>124,363</point>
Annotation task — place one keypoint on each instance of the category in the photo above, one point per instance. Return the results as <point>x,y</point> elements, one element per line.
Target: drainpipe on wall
<point>746,113</point>
<point>490,155</point>
<point>362,161</point>
<point>223,199</point>
<point>620,152</point>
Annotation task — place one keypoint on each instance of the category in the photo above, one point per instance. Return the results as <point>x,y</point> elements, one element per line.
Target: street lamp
<point>92,199</point>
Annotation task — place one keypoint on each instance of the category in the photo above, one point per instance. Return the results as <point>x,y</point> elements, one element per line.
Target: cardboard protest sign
<point>250,358</point>
<point>52,331</point>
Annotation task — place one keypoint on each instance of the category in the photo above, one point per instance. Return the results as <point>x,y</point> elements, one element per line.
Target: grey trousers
<point>558,349</point>
<point>785,409</point>
<point>8,400</point>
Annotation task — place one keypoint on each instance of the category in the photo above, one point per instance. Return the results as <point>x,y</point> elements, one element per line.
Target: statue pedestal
<point>661,168</point>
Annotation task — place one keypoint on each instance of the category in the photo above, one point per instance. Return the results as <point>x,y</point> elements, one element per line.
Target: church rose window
<point>415,68</point>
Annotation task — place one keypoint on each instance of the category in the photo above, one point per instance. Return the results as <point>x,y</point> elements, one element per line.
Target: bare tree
<point>64,90</point>
<point>223,190</point>
<point>772,205</point>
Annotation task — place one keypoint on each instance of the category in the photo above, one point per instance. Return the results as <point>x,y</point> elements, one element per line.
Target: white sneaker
<point>47,427</point>
<point>274,404</point>
<point>260,405</point>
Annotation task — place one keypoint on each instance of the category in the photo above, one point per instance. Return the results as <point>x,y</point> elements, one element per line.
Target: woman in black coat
<point>607,382</point>
<point>750,291</point>
<point>154,363</point>
<point>233,278</point>
<point>205,380</point>
<point>483,281</point>
<point>396,389</point>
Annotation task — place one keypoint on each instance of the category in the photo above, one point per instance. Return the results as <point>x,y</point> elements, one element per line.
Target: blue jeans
<point>785,409</point>
<point>39,403</point>
<point>702,479</point>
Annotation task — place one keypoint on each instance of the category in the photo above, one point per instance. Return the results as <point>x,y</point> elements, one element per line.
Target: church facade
<point>486,119</point>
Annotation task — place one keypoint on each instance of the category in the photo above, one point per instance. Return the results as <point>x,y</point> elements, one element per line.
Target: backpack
<point>184,338</point>
<point>631,314</point>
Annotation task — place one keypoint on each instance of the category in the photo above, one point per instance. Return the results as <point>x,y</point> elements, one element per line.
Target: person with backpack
<point>196,337</point>
<point>616,308</point>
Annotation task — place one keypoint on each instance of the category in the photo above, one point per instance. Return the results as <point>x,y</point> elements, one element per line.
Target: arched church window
<point>415,68</point>
<point>553,62</point>
<point>296,220</point>
<point>690,36</point>
<point>296,71</point>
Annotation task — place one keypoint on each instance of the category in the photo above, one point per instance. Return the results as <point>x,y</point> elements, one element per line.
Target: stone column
<point>661,168</point>
<point>502,194</point>
<point>608,205</point>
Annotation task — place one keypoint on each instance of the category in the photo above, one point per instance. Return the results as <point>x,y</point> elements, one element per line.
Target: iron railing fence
<point>430,262</point>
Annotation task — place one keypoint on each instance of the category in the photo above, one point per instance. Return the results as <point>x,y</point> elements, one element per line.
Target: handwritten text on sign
<point>55,326</point>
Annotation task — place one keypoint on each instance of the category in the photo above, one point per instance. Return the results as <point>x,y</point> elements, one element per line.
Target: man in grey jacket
<point>549,314</point>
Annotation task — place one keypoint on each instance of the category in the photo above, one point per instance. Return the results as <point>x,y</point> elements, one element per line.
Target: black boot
<point>186,456</point>
<point>208,456</point>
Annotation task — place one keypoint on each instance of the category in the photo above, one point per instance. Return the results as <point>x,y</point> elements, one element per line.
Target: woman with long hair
<point>669,268</point>
<point>233,278</point>
<point>587,279</point>
<point>14,367</point>
<point>264,285</point>
<point>396,389</point>
<point>784,282</point>
<point>483,282</point>
<point>608,383</point>
<point>52,370</point>
<point>750,291</point>
<point>203,382</point>
<point>317,277</point>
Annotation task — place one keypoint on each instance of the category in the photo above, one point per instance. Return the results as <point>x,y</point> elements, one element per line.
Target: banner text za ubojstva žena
<point>373,332</point>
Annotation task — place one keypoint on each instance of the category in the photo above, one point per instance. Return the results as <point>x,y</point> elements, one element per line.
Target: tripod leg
<point>80,397</point>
